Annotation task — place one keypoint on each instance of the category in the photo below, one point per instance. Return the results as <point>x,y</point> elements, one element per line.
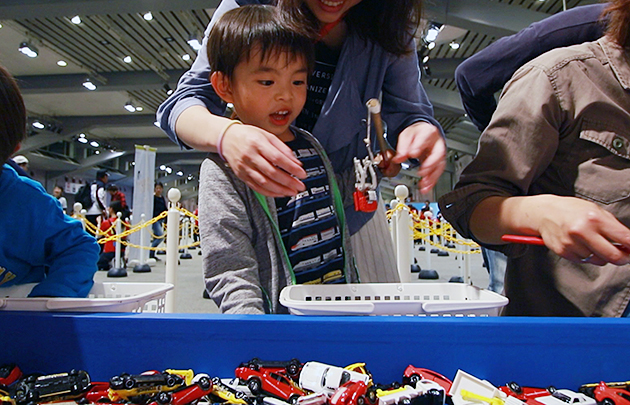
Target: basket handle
<point>445,306</point>
<point>70,303</point>
<point>356,308</point>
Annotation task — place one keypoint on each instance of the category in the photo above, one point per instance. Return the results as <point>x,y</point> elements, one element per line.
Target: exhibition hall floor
<point>189,284</point>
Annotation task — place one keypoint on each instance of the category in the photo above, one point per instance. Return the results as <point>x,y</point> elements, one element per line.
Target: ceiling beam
<point>21,9</point>
<point>445,99</point>
<point>112,81</point>
<point>482,16</point>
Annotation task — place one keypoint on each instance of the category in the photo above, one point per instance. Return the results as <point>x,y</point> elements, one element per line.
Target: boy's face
<point>269,93</point>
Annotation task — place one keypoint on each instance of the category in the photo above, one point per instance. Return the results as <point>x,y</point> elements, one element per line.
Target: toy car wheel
<point>414,379</point>
<point>294,399</point>
<point>551,389</point>
<point>608,401</point>
<point>294,367</point>
<point>254,363</point>
<point>129,383</point>
<point>204,383</point>
<point>515,387</point>
<point>163,398</point>
<point>360,401</point>
<point>435,392</point>
<point>240,395</point>
<point>254,385</point>
<point>371,395</point>
<point>171,380</point>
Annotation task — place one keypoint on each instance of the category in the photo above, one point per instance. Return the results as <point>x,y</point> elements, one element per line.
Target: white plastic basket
<point>103,297</point>
<point>424,299</point>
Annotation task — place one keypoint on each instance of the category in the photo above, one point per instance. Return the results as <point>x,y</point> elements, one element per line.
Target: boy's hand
<point>262,161</point>
<point>423,141</point>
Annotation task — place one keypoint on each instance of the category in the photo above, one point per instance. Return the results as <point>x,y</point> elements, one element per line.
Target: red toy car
<point>276,384</point>
<point>291,368</point>
<point>612,394</point>
<point>9,373</point>
<point>201,387</point>
<point>354,393</point>
<point>98,392</point>
<point>413,374</point>
<point>526,394</point>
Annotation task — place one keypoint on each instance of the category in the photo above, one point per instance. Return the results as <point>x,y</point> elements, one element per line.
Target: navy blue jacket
<point>483,74</point>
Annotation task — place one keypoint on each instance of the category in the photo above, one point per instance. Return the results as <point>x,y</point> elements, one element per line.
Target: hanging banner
<point>143,180</point>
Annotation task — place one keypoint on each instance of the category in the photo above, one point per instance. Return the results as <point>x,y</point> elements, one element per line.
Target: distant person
<point>252,245</point>
<point>21,161</point>
<point>58,194</point>
<point>117,195</point>
<point>18,169</point>
<point>159,206</point>
<point>99,198</point>
<point>107,229</point>
<point>38,243</point>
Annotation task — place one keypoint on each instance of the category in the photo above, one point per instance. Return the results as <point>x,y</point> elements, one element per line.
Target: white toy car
<point>320,377</point>
<point>562,397</point>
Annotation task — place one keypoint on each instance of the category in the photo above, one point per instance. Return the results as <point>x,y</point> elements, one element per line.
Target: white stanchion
<point>404,239</point>
<point>172,243</point>
<point>78,210</point>
<point>117,254</point>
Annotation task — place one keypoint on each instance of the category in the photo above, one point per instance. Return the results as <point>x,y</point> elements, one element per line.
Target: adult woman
<point>365,51</point>
<point>555,162</point>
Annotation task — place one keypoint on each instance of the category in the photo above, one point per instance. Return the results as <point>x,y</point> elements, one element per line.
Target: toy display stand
<point>423,299</point>
<point>103,297</point>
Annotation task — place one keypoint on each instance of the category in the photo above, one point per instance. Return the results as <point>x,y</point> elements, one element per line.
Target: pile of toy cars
<point>258,382</point>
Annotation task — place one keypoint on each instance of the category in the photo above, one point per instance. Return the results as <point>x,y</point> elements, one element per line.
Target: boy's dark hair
<point>618,13</point>
<point>116,206</point>
<point>12,115</point>
<point>389,23</point>
<point>112,187</point>
<point>246,29</point>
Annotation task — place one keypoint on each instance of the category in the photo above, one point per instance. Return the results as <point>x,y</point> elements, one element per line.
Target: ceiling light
<point>430,45</point>
<point>194,43</point>
<point>180,173</point>
<point>169,170</point>
<point>167,89</point>
<point>28,50</point>
<point>139,108</point>
<point>163,167</point>
<point>62,63</point>
<point>38,125</point>
<point>89,85</point>
<point>186,57</point>
<point>130,107</point>
<point>148,16</point>
<point>98,152</point>
<point>76,20</point>
<point>82,140</point>
<point>127,59</point>
<point>156,123</point>
<point>425,59</point>
<point>0,26</point>
<point>454,45</point>
<point>94,144</point>
<point>81,135</point>
<point>432,32</point>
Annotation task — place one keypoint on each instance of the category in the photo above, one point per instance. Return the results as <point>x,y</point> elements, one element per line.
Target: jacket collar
<point>619,60</point>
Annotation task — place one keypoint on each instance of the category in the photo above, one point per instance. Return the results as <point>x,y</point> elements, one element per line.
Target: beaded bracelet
<point>220,139</point>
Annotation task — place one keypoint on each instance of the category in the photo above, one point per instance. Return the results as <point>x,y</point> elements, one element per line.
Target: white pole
<point>393,222</point>
<point>427,250</point>
<point>78,210</point>
<point>466,258</point>
<point>403,235</point>
<point>143,258</point>
<point>172,243</point>
<point>117,261</point>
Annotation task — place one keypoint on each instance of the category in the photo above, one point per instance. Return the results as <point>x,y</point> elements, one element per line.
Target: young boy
<point>253,246</point>
<point>38,243</point>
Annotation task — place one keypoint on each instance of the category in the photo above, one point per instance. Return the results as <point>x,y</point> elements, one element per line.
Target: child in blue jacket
<point>38,242</point>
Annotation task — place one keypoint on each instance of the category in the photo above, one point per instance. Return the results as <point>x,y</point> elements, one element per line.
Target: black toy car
<point>52,387</point>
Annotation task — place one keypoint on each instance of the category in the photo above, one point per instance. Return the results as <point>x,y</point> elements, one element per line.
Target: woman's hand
<point>262,161</point>
<point>423,141</point>
<point>581,231</point>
